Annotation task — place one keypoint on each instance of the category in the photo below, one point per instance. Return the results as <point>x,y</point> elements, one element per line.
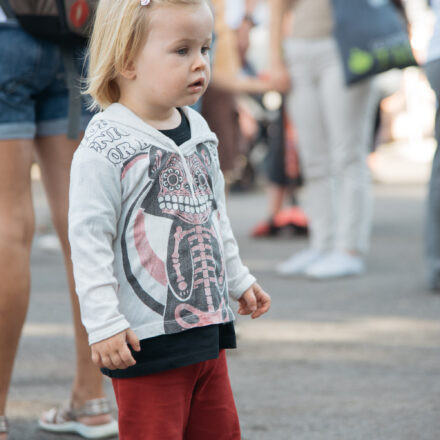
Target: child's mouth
<point>197,85</point>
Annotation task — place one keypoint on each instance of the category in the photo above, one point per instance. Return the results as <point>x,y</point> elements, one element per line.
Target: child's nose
<point>201,62</point>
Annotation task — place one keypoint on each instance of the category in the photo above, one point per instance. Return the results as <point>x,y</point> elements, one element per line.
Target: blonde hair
<point>119,31</point>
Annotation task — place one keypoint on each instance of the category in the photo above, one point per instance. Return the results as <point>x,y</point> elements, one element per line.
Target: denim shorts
<point>34,97</point>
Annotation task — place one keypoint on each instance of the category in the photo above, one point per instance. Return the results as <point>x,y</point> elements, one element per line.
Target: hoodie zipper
<point>186,168</point>
<point>174,147</point>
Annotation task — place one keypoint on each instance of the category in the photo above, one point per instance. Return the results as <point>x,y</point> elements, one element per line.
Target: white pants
<point>334,125</point>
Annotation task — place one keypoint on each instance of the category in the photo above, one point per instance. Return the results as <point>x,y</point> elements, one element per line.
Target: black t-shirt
<point>188,347</point>
<point>182,133</point>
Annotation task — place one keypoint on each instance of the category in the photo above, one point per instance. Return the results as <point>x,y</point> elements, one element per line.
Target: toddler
<point>154,256</point>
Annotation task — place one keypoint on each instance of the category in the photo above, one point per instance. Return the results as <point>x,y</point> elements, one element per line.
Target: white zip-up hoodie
<point>152,246</point>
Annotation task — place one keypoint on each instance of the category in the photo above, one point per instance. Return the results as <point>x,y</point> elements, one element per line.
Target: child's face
<point>172,68</point>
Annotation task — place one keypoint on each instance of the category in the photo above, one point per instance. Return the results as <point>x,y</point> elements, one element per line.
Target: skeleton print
<point>194,270</point>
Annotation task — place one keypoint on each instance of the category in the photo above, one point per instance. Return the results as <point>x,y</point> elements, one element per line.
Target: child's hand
<point>255,300</point>
<point>113,353</point>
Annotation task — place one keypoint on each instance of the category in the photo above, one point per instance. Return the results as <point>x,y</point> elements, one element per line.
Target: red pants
<point>188,403</point>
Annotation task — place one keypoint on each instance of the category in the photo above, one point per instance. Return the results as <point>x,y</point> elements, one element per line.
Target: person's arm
<point>277,9</point>
<point>250,6</point>
<point>238,275</point>
<point>225,66</point>
<point>242,285</point>
<point>243,84</point>
<point>94,210</point>
<point>278,70</point>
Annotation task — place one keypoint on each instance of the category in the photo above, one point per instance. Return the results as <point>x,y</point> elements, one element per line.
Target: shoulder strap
<point>7,9</point>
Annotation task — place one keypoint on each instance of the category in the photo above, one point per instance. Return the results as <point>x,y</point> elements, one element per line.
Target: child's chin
<point>192,99</point>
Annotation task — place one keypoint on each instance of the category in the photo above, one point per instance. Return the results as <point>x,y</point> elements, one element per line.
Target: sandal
<point>65,419</point>
<point>3,425</point>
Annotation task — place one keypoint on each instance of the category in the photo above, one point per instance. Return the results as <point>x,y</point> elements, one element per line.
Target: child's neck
<point>161,118</point>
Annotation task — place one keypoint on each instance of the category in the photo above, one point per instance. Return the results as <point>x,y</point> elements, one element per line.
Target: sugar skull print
<point>193,270</point>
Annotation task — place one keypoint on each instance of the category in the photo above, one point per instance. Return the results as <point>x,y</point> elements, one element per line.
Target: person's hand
<point>113,353</point>
<point>248,124</point>
<point>279,78</point>
<point>254,301</point>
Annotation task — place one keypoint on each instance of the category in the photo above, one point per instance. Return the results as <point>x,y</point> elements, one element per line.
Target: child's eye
<point>205,49</point>
<point>182,51</point>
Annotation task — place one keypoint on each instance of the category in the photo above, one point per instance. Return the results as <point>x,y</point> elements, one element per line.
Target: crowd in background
<point>320,134</point>
<point>281,109</point>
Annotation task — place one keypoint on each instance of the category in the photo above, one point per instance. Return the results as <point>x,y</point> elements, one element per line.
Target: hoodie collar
<point>123,116</point>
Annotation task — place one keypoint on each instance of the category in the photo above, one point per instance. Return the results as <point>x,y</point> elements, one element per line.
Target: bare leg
<point>276,195</point>
<point>54,155</point>
<point>16,231</point>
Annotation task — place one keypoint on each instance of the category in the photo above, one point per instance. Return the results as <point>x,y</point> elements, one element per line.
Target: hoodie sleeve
<point>238,275</point>
<point>94,210</point>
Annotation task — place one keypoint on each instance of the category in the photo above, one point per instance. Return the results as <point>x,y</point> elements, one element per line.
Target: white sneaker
<point>336,264</point>
<point>298,263</point>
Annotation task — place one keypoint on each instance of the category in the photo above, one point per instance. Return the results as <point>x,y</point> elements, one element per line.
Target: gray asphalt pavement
<point>352,359</point>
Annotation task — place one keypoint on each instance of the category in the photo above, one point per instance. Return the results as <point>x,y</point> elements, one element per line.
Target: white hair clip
<point>145,2</point>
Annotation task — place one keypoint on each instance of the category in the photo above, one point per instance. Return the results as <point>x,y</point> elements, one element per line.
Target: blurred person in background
<point>33,123</point>
<point>277,132</point>
<point>432,232</point>
<point>219,106</point>
<point>334,128</point>
<point>284,179</point>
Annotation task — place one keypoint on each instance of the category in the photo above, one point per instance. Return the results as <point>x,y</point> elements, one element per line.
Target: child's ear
<point>130,71</point>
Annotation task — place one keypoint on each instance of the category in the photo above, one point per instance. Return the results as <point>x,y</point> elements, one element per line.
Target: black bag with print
<point>372,38</point>
<point>65,22</point>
